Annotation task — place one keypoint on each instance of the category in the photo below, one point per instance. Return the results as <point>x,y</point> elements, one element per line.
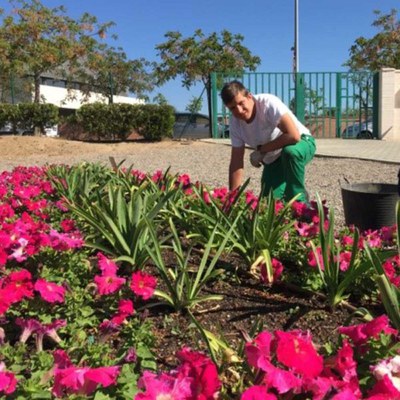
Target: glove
<point>256,158</point>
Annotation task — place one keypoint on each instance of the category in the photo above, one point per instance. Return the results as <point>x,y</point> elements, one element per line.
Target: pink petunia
<point>20,282</point>
<point>359,334</point>
<point>143,285</point>
<point>108,284</point>
<point>259,349</point>
<point>49,291</point>
<point>257,393</point>
<point>202,370</point>
<point>164,386</point>
<point>8,382</point>
<point>277,268</point>
<point>107,266</point>
<point>297,352</point>
<point>279,379</point>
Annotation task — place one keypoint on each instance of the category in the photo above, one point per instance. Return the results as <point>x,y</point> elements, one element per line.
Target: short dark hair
<point>231,89</point>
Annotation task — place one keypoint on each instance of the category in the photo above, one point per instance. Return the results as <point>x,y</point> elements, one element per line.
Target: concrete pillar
<point>389,104</point>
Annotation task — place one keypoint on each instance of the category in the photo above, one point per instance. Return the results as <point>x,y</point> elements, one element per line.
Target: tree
<point>35,40</point>
<point>160,99</point>
<point>195,105</point>
<point>195,57</point>
<point>382,50</point>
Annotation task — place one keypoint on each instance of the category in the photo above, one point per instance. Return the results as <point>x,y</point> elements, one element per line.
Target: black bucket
<point>370,205</point>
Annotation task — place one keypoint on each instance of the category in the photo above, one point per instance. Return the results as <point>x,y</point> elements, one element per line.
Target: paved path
<point>375,150</point>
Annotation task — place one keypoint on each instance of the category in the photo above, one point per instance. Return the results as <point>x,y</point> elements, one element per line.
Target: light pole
<point>296,37</point>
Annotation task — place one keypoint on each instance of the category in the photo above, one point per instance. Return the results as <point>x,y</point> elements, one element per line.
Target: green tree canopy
<point>195,105</point>
<point>195,57</point>
<point>35,40</point>
<point>382,50</point>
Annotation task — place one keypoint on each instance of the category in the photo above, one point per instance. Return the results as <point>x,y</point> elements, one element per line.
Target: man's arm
<point>290,135</point>
<point>236,167</point>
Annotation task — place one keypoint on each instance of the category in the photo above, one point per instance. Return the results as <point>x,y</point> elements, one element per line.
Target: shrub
<point>156,122</point>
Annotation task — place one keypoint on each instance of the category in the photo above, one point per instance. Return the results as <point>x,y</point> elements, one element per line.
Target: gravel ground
<point>206,162</point>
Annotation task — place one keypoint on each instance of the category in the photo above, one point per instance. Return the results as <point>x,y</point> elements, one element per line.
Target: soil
<point>247,307</point>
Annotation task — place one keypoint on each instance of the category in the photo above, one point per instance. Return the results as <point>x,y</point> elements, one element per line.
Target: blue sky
<point>327,29</point>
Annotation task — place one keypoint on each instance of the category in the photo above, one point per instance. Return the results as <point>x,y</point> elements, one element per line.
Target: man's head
<point>239,100</point>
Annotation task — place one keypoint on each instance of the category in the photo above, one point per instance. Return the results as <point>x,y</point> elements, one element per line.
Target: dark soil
<point>247,305</point>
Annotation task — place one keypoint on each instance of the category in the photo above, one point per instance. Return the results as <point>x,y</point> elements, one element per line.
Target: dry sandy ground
<point>205,162</point>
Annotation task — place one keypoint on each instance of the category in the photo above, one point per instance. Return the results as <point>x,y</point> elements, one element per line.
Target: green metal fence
<point>330,104</point>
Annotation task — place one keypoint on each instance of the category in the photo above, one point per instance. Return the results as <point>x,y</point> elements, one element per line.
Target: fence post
<point>214,105</point>
<point>375,105</point>
<point>338,104</point>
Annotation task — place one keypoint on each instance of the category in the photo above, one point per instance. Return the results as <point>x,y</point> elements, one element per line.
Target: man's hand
<point>256,158</point>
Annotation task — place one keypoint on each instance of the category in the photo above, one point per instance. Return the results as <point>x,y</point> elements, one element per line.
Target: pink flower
<point>125,309</point>
<point>49,291</point>
<point>107,266</point>
<point>257,393</point>
<point>7,297</point>
<point>359,334</point>
<point>298,353</point>
<point>164,386</point>
<point>388,370</point>
<point>108,284</point>
<point>277,268</point>
<point>281,380</point>
<point>344,260</point>
<point>203,372</point>
<point>259,349</point>
<point>20,282</point>
<point>143,285</point>
<point>251,199</point>
<point>29,326</point>
<point>8,382</point>
<point>82,380</point>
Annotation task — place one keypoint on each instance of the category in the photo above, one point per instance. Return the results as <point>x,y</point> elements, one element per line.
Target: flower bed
<point>121,284</point>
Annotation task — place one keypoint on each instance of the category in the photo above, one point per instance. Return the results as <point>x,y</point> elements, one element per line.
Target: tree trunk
<point>36,98</point>
<point>208,90</point>
<point>37,130</point>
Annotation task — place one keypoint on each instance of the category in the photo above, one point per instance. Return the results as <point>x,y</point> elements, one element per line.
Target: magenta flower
<point>125,309</point>
<point>28,326</point>
<point>143,285</point>
<point>257,393</point>
<point>70,379</point>
<point>298,353</point>
<point>8,382</point>
<point>259,349</point>
<point>251,199</point>
<point>202,370</point>
<point>20,282</point>
<point>281,380</point>
<point>49,291</point>
<point>359,334</point>
<point>49,330</point>
<point>65,241</point>
<point>108,284</point>
<point>164,386</point>
<point>7,297</point>
<point>107,266</point>
<point>277,268</point>
<point>344,260</point>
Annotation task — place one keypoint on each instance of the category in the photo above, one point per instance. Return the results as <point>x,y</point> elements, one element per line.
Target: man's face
<point>242,107</point>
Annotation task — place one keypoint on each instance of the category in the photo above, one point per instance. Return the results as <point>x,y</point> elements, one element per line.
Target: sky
<point>327,29</point>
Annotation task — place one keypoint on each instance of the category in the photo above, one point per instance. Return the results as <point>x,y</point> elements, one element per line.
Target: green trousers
<point>285,176</point>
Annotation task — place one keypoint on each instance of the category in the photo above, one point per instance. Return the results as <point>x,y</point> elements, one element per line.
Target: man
<point>283,144</point>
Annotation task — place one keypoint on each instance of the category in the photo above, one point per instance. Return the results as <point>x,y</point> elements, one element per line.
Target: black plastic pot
<point>370,205</point>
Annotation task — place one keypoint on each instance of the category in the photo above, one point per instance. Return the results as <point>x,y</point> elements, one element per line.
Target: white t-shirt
<point>263,129</point>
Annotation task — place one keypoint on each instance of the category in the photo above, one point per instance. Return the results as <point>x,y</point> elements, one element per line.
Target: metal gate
<point>330,104</point>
